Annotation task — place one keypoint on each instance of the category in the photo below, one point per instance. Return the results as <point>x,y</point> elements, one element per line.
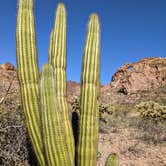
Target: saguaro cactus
<point>44,98</point>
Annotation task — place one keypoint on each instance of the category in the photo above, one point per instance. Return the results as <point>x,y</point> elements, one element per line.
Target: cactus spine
<point>88,138</point>
<point>57,57</point>
<point>28,73</point>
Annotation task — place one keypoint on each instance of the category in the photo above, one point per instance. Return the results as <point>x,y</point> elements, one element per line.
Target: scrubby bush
<point>151,110</point>
<point>106,108</point>
<point>75,104</point>
<point>103,108</point>
<point>15,146</point>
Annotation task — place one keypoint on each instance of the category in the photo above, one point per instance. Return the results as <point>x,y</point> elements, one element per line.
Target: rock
<point>73,89</point>
<point>7,66</point>
<point>149,73</point>
<point>125,88</point>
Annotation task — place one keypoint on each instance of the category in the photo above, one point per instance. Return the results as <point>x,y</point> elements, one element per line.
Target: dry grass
<point>137,141</point>
<point>15,146</point>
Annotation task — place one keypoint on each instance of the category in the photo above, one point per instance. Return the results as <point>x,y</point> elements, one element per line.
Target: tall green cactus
<point>28,73</point>
<point>88,138</point>
<point>57,58</point>
<point>55,146</point>
<point>44,98</point>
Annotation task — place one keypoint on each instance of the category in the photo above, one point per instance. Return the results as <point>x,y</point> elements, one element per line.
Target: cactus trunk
<point>28,73</point>
<point>57,57</point>
<point>88,138</point>
<point>54,138</point>
<point>44,98</point>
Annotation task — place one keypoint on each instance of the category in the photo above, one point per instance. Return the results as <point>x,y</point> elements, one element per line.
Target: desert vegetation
<point>121,123</point>
<point>133,138</point>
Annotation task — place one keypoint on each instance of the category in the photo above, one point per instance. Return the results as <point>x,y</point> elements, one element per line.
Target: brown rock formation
<point>8,72</point>
<point>7,66</point>
<point>73,89</point>
<point>149,73</point>
<point>129,80</point>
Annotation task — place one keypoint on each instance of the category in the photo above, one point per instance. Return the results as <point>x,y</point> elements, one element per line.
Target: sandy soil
<point>131,152</point>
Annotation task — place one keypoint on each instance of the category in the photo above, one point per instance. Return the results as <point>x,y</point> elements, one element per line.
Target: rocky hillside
<point>8,81</point>
<point>135,140</point>
<point>143,80</point>
<point>149,73</point>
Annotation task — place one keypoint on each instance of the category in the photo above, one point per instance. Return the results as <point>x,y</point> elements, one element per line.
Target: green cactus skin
<point>55,146</point>
<point>54,138</point>
<point>112,160</point>
<point>88,134</point>
<point>57,57</point>
<point>28,73</point>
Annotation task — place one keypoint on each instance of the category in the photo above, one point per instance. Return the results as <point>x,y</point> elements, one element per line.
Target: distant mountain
<point>148,73</point>
<point>143,80</point>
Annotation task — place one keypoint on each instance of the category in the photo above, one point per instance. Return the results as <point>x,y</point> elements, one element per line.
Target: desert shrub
<point>75,104</point>
<point>151,110</point>
<point>15,146</point>
<point>99,155</point>
<point>150,131</point>
<point>106,108</point>
<point>103,108</point>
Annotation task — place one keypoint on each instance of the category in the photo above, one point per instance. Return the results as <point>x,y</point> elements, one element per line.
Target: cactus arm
<point>88,137</point>
<point>57,57</point>
<point>54,138</point>
<point>28,73</point>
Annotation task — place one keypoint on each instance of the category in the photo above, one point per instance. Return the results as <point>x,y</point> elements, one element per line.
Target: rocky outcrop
<point>7,66</point>
<point>8,71</point>
<point>8,82</point>
<point>149,73</point>
<point>73,89</point>
<point>126,86</point>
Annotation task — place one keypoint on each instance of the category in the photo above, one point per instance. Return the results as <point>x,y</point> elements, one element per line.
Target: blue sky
<point>130,30</point>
